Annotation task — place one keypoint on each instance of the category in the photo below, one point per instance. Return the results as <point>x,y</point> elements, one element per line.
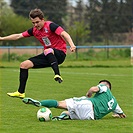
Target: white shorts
<point>80,108</point>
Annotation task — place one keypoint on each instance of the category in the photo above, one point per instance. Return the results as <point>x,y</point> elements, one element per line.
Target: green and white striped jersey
<point>104,102</point>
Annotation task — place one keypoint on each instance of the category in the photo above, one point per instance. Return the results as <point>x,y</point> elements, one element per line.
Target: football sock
<point>23,78</point>
<point>53,61</point>
<point>49,103</point>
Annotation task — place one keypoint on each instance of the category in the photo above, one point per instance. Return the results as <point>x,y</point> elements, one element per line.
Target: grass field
<point>16,117</point>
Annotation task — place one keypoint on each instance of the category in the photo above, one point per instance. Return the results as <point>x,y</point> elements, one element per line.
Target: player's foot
<point>58,78</point>
<point>61,117</point>
<point>31,101</point>
<point>16,94</point>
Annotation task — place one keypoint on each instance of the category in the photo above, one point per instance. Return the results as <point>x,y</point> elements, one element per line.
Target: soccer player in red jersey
<point>53,38</point>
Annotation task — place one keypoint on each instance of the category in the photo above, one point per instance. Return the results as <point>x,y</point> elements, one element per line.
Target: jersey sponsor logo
<point>46,30</point>
<point>46,41</point>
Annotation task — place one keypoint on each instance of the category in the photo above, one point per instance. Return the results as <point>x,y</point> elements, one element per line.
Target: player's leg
<point>62,104</point>
<point>60,56</point>
<point>49,53</point>
<point>24,66</point>
<point>63,116</point>
<point>34,62</point>
<point>50,103</point>
<point>41,61</point>
<point>47,103</point>
<point>38,61</point>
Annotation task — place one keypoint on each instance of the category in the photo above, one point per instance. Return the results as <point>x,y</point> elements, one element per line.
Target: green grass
<point>16,117</point>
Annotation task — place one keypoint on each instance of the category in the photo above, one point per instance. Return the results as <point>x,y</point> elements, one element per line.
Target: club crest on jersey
<point>46,30</point>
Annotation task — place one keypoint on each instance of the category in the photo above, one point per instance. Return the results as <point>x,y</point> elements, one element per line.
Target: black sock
<point>53,61</point>
<point>23,78</point>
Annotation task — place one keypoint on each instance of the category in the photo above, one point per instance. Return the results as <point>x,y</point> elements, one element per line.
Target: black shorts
<point>40,60</point>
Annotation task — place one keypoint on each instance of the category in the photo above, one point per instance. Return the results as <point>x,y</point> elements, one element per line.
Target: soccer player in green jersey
<point>85,107</point>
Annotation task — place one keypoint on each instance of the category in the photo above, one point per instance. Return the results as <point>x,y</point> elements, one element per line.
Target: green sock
<point>49,103</point>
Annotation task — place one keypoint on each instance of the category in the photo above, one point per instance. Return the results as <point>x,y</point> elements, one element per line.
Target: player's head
<point>36,13</point>
<point>106,82</point>
<point>37,18</point>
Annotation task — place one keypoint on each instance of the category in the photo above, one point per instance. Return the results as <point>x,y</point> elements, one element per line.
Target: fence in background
<point>38,49</point>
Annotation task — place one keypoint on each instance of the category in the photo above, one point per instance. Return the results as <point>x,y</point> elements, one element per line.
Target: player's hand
<point>119,115</point>
<point>73,48</point>
<point>122,115</point>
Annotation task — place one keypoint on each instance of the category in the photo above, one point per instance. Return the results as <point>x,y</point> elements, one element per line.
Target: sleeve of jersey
<point>59,30</point>
<point>102,88</point>
<point>25,34</point>
<point>118,110</point>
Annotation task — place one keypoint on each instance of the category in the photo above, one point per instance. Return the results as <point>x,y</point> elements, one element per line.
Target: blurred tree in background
<point>13,23</point>
<point>107,17</point>
<point>89,23</point>
<point>54,10</point>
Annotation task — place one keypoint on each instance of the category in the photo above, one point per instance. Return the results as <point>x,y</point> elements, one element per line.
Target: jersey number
<point>110,104</point>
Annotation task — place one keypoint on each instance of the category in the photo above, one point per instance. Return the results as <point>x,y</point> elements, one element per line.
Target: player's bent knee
<point>49,50</point>
<point>62,104</point>
<point>26,64</point>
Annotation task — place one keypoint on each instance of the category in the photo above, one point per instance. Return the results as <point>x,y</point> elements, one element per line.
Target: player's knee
<point>26,64</point>
<point>49,50</point>
<point>62,104</point>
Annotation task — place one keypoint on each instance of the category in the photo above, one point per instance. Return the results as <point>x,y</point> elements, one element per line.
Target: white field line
<point>81,73</point>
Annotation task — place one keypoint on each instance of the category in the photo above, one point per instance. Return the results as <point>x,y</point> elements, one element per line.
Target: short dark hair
<point>36,13</point>
<point>108,82</point>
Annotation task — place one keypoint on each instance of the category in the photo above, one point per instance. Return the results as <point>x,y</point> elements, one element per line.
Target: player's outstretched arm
<point>68,39</point>
<point>12,37</point>
<point>92,90</point>
<point>118,113</point>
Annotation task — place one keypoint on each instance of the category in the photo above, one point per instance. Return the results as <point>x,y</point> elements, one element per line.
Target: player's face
<point>37,22</point>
